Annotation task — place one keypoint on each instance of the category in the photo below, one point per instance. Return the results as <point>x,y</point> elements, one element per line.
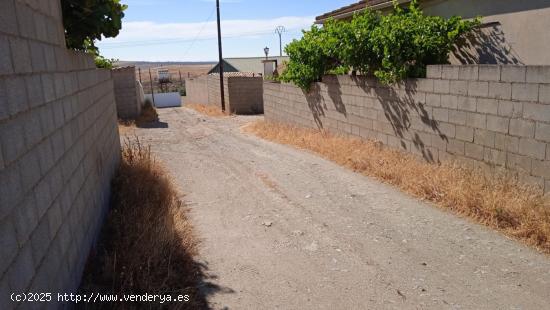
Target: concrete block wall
<point>243,95</point>
<point>196,90</point>
<point>127,92</point>
<point>59,147</point>
<point>481,115</point>
<point>213,84</point>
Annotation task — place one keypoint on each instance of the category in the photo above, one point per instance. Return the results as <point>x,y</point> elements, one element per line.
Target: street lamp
<point>266,51</point>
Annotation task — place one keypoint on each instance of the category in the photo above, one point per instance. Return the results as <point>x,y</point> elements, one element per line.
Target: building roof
<point>349,10</point>
<point>246,64</point>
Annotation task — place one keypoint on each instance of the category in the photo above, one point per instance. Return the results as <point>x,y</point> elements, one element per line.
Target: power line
<point>112,45</point>
<point>199,33</point>
<point>180,40</point>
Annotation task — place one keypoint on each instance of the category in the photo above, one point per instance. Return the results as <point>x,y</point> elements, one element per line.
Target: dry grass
<point>148,243</point>
<point>497,200</point>
<point>126,127</point>
<point>148,114</point>
<point>209,110</point>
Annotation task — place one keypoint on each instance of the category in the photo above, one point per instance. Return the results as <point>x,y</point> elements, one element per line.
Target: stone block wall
<point>127,92</point>
<point>197,90</point>
<point>243,95</point>
<point>213,85</point>
<point>482,115</point>
<point>59,147</point>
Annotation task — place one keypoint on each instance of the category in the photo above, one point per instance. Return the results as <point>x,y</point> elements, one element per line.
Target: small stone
<point>267,224</point>
<point>312,247</point>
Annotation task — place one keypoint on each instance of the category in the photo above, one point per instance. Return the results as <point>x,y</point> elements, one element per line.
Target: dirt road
<point>285,229</point>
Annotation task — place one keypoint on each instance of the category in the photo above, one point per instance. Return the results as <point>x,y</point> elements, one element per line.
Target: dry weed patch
<point>148,115</point>
<point>208,110</point>
<point>147,244</point>
<point>125,127</point>
<point>497,200</point>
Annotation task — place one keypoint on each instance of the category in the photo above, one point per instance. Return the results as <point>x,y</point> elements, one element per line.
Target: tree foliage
<point>86,21</point>
<point>391,47</point>
<point>104,63</point>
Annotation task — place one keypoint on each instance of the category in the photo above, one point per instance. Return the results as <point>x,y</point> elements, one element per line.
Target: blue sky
<point>185,30</point>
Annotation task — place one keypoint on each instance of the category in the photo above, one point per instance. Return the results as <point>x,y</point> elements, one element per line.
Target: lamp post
<point>266,51</point>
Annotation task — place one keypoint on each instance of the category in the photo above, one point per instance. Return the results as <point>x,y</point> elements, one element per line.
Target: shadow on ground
<point>147,247</point>
<point>96,281</point>
<point>151,125</point>
<point>403,109</point>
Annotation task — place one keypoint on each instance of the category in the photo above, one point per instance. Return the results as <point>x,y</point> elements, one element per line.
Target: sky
<point>185,30</point>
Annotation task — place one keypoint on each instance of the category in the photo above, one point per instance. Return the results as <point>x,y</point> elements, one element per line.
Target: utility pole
<point>222,93</point>
<point>280,30</point>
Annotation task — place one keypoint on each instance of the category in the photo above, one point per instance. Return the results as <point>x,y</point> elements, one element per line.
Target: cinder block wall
<point>128,104</point>
<point>243,95</point>
<point>59,147</point>
<point>489,116</point>
<point>196,90</point>
<point>214,96</point>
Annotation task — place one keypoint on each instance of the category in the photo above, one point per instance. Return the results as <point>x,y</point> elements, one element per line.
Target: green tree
<point>86,21</point>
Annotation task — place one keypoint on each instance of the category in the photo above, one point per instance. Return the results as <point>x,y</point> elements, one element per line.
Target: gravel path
<point>285,229</point>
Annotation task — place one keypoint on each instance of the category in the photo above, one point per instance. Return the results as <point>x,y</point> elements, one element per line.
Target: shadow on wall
<point>487,45</point>
<point>399,107</point>
<point>397,110</point>
<point>316,104</point>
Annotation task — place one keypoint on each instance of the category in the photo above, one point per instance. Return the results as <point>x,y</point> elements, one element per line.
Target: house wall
<point>513,31</point>
<point>59,147</point>
<point>517,36</point>
<point>127,93</point>
<point>483,116</point>
<point>243,95</point>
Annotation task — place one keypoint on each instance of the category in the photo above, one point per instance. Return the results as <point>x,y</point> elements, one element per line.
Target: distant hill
<point>177,70</point>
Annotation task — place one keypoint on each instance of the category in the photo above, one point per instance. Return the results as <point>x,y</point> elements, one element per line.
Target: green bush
<point>104,63</point>
<point>391,47</point>
<point>308,58</point>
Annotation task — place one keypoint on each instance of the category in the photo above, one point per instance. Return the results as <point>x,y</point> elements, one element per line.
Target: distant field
<point>175,69</point>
